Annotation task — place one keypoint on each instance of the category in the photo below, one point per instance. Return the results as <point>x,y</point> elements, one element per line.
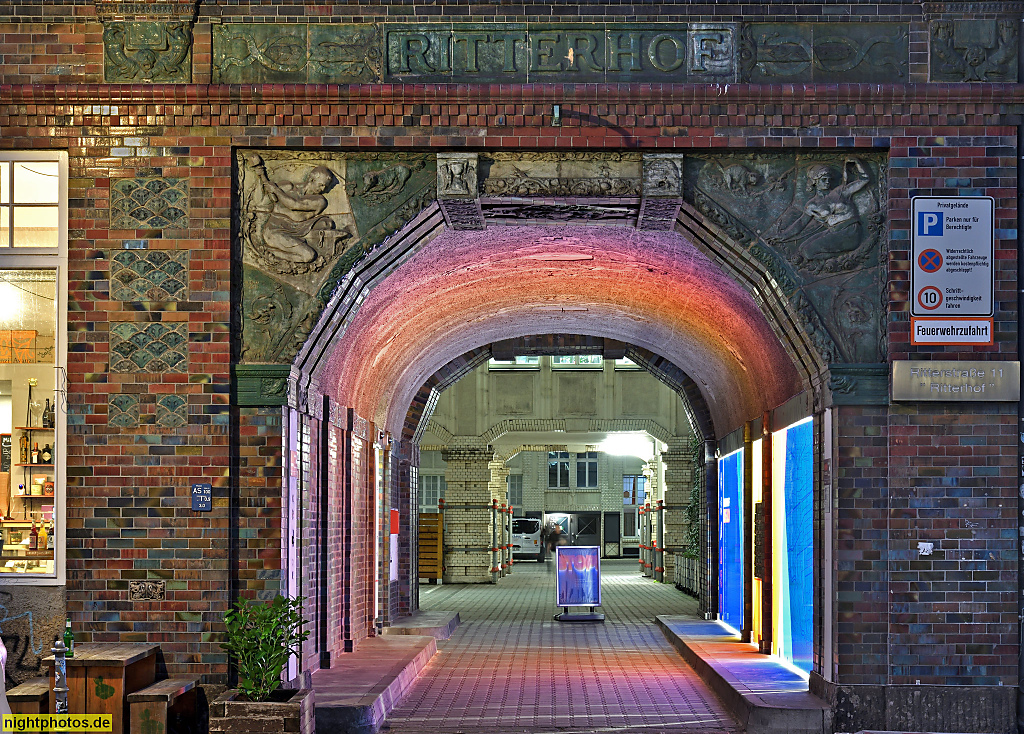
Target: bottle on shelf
<point>69,640</point>
<point>35,453</point>
<point>21,490</point>
<point>23,444</point>
<point>49,536</point>
<point>46,457</point>
<point>44,539</point>
<point>33,538</point>
<point>48,415</point>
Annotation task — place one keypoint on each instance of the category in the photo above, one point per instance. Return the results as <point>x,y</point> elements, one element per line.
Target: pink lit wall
<point>466,289</point>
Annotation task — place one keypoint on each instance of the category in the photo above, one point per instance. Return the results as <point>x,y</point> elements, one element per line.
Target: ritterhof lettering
<point>517,54</point>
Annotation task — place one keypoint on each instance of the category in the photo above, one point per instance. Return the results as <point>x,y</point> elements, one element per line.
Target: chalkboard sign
<point>5,452</point>
<point>202,497</point>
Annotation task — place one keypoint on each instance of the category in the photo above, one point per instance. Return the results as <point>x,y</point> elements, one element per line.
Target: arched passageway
<point>653,290</point>
<point>434,302</point>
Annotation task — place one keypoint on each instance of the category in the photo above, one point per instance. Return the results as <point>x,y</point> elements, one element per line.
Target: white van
<point>526,540</point>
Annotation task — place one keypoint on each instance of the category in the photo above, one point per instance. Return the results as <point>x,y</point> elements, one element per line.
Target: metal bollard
<point>60,677</point>
<point>495,562</point>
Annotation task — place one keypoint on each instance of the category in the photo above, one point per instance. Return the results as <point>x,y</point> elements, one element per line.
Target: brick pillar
<point>499,487</point>
<point>467,515</point>
<point>678,484</point>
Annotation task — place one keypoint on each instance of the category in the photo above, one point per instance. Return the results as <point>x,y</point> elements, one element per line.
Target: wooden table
<point>101,675</point>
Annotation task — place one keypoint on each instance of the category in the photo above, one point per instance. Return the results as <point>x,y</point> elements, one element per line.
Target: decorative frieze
<point>536,53</point>
<point>824,52</point>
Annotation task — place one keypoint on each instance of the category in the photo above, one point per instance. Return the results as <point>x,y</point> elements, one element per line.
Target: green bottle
<point>69,640</point>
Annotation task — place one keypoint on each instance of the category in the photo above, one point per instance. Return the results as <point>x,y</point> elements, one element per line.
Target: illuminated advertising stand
<point>578,582</point>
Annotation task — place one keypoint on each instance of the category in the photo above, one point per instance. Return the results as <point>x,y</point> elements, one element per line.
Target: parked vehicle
<point>526,538</point>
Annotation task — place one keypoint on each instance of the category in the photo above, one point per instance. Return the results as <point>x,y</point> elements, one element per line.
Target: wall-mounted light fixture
<point>556,116</point>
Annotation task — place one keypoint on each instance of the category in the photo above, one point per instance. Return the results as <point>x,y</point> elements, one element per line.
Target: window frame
<point>588,459</point>
<point>56,259</point>
<point>560,457</point>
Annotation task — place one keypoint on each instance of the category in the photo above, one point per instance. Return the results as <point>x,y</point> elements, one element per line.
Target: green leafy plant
<point>261,638</point>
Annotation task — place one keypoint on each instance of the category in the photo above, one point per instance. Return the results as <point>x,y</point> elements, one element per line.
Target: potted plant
<point>261,638</point>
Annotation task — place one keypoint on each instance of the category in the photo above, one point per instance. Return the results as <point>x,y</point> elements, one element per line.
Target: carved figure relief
<point>974,51</point>
<point>300,230</point>
<point>147,51</point>
<point>662,175</point>
<point>457,174</point>
<point>284,225</point>
<point>834,228</point>
<point>383,184</point>
<point>816,223</point>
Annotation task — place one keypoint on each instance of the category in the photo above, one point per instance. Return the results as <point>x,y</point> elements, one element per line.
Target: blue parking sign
<point>929,224</point>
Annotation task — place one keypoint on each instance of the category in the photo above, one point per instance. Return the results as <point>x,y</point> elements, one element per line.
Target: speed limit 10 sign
<point>953,248</point>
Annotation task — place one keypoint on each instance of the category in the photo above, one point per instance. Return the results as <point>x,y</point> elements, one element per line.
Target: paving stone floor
<point>510,667</point>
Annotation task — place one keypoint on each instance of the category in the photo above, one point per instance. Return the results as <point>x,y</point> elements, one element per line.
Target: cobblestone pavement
<point>510,667</point>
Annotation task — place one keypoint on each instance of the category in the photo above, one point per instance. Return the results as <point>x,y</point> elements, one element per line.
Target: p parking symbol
<point>929,224</point>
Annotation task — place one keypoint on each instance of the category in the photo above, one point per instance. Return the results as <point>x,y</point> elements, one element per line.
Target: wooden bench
<point>152,706</point>
<point>31,697</point>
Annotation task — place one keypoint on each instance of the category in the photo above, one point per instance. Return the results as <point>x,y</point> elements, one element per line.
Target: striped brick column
<point>678,482</point>
<point>499,488</point>
<point>467,515</point>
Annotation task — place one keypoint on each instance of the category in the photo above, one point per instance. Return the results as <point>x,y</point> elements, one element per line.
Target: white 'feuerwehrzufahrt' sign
<point>952,247</point>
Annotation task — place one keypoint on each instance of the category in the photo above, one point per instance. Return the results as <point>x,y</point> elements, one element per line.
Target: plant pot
<point>288,711</point>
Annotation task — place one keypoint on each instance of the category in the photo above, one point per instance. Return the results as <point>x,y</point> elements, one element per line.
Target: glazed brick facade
<point>904,474</point>
<point>123,480</point>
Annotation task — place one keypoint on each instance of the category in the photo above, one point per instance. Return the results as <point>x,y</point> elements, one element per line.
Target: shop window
<point>33,345</point>
<point>586,470</point>
<point>558,470</point>
<point>432,487</point>
<point>626,364</point>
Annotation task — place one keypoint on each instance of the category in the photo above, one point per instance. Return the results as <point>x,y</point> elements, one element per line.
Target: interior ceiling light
<point>628,444</point>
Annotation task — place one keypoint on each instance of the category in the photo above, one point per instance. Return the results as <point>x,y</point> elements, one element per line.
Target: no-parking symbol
<point>930,261</point>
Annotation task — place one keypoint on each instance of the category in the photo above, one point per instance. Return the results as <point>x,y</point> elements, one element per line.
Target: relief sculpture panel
<point>304,218</point>
<point>816,222</point>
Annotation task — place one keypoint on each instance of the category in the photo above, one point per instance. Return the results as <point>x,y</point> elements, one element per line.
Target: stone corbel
<point>662,191</point>
<point>458,190</point>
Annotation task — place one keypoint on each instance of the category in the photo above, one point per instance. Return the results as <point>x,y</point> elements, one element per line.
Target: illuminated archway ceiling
<point>653,290</point>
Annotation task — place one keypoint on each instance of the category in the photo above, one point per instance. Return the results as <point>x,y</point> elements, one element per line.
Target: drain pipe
<point>1020,445</point>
